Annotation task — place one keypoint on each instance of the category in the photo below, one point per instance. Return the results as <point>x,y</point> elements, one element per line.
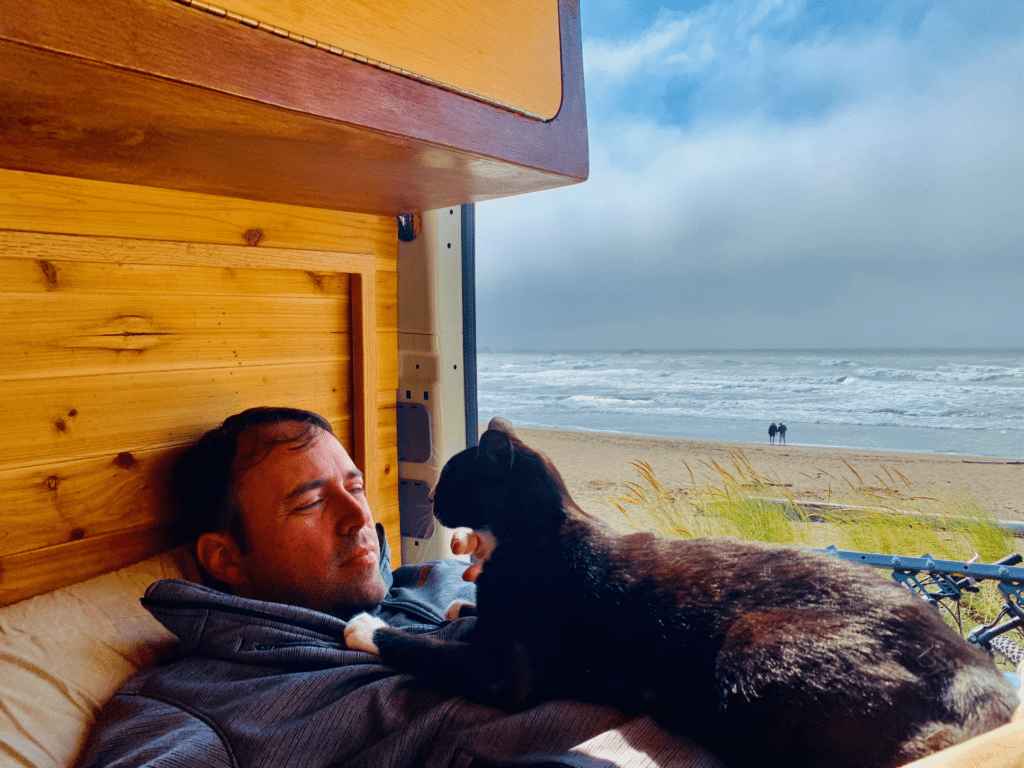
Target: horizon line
<point>486,349</point>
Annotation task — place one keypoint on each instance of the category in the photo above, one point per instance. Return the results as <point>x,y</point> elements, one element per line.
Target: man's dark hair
<point>204,476</point>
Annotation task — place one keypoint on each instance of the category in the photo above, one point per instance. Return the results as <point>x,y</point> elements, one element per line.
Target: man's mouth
<point>361,556</point>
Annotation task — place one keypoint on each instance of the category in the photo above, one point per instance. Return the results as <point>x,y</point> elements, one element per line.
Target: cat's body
<point>771,655</point>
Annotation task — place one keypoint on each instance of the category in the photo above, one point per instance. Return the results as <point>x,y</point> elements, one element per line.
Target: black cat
<point>771,655</point>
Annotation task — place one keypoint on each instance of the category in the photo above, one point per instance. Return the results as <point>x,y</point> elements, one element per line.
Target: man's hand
<point>359,633</point>
<point>479,544</point>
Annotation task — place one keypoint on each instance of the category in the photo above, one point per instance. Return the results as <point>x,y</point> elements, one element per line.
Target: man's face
<point>312,541</point>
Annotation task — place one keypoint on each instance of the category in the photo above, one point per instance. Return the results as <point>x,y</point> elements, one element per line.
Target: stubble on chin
<point>366,598</point>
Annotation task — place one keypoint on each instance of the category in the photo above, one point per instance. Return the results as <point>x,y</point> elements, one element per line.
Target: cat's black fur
<point>771,655</point>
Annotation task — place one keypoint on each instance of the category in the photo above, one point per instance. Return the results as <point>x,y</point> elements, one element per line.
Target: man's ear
<point>219,554</point>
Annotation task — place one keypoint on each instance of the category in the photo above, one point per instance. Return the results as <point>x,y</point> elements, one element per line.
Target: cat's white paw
<point>479,544</point>
<point>451,613</point>
<point>359,633</point>
<point>463,541</point>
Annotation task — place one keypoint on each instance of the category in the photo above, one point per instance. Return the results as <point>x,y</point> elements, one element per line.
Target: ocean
<point>946,401</point>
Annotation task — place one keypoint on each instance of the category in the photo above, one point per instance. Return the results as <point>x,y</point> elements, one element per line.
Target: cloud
<point>893,152</point>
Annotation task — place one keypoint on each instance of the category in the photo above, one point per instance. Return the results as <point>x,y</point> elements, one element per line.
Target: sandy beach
<point>595,466</point>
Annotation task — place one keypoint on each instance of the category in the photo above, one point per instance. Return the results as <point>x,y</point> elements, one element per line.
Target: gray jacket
<point>264,684</point>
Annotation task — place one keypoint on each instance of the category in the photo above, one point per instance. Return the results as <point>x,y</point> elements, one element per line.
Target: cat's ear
<point>495,454</point>
<point>502,425</point>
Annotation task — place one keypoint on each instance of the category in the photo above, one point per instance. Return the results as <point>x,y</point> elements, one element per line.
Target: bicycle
<point>938,581</point>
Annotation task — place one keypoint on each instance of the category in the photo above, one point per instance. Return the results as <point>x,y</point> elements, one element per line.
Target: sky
<point>777,174</point>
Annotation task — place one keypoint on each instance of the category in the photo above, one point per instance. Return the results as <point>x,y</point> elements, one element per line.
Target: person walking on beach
<point>771,433</point>
<point>782,433</point>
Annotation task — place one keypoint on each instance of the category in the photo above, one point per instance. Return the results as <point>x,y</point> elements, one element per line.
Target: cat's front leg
<point>499,676</point>
<point>359,633</point>
<point>479,544</point>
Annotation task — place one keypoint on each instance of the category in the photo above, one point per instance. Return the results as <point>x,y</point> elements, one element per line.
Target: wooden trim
<point>155,93</point>
<point>365,447</point>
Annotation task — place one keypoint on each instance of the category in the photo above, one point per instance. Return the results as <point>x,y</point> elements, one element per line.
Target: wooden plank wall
<point>133,319</point>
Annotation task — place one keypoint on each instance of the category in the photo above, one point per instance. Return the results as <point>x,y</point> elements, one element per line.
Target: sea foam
<point>941,401</point>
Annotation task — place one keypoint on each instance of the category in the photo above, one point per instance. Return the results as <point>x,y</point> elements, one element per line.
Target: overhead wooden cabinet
<point>197,216</point>
<point>375,107</point>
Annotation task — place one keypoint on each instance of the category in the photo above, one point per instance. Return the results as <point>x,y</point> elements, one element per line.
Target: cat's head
<point>503,486</point>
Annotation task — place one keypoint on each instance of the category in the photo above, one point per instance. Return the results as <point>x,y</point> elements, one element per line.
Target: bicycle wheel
<point>1008,649</point>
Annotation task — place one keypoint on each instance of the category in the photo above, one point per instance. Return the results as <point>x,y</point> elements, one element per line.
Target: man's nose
<point>352,512</point>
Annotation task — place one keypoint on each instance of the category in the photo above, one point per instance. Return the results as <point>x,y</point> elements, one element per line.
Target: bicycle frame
<point>949,579</point>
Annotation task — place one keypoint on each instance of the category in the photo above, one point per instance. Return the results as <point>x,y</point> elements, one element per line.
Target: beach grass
<point>881,512</point>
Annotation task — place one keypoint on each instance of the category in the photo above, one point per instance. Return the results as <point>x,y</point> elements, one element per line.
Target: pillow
<point>64,653</point>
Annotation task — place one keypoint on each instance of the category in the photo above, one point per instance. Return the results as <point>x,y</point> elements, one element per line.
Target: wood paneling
<point>155,93</point>
<point>35,202</point>
<point>41,570</point>
<point>116,351</point>
<point>501,50</point>
<point>93,334</point>
<point>48,419</point>
<point>41,506</point>
<point>59,278</point>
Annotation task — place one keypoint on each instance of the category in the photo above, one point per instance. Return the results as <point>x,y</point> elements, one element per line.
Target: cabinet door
<point>357,105</point>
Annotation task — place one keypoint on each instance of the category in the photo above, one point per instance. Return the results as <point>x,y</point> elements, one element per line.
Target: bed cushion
<point>64,653</point>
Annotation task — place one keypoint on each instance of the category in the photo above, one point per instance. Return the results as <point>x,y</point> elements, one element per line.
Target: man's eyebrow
<point>309,485</point>
<point>312,485</point>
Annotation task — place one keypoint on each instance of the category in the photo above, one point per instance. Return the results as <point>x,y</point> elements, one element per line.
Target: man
<point>282,527</point>
<point>291,523</point>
